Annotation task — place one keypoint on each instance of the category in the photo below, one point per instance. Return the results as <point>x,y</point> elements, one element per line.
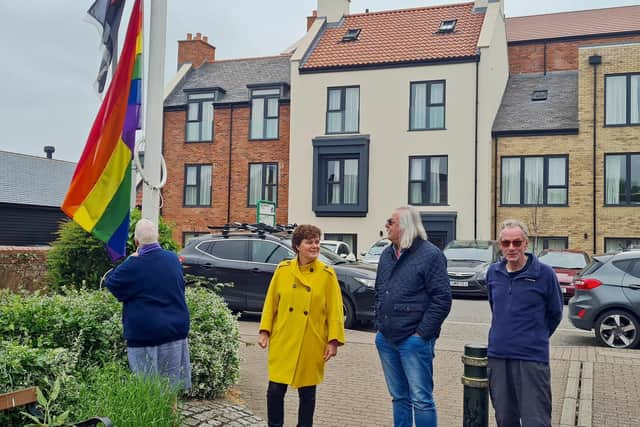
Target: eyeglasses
<point>515,243</point>
<point>390,222</point>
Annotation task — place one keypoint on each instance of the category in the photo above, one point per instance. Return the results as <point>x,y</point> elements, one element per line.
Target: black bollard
<point>476,386</point>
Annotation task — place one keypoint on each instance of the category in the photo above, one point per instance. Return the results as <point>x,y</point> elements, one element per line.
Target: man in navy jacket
<point>526,306</point>
<point>155,317</point>
<point>413,297</point>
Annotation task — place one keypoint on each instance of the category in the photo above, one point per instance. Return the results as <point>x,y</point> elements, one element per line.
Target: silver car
<point>607,299</point>
<point>372,256</point>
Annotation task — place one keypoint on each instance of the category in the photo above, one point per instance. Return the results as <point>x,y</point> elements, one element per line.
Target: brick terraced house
<point>567,135</point>
<point>226,139</point>
<point>394,108</point>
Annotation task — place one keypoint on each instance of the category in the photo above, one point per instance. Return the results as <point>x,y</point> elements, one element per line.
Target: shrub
<point>127,399</point>
<point>213,344</point>
<point>78,260</point>
<point>46,336</point>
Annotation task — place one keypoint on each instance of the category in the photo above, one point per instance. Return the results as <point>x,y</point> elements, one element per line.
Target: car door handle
<point>256,270</point>
<point>635,287</point>
<point>207,266</point>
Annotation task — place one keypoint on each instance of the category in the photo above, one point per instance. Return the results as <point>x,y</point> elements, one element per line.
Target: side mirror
<point>363,253</point>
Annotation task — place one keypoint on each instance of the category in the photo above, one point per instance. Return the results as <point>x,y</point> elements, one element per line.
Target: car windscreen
<point>564,260</point>
<point>330,246</point>
<point>469,254</point>
<point>377,249</point>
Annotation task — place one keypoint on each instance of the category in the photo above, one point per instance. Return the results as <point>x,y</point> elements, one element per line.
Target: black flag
<point>107,14</point>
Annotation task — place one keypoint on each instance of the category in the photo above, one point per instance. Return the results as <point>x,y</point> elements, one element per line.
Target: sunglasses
<point>390,222</point>
<point>515,243</point>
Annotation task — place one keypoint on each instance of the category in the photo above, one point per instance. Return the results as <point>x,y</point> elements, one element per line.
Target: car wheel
<point>617,329</point>
<point>349,312</point>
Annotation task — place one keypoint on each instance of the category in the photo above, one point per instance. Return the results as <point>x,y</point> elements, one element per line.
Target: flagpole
<point>154,109</point>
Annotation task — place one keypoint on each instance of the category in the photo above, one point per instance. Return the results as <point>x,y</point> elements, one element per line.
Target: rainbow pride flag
<point>99,196</point>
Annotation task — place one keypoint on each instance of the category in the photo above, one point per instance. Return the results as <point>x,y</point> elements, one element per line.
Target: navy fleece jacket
<point>151,288</point>
<point>526,310</point>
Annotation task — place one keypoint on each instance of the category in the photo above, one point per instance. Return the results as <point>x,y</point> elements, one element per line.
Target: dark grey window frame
<point>428,105</point>
<point>619,238</point>
<point>328,148</point>
<point>264,186</point>
<point>545,180</point>
<point>627,179</point>
<point>200,102</point>
<point>425,182</point>
<point>265,114</point>
<point>627,107</point>
<point>197,186</point>
<point>342,110</point>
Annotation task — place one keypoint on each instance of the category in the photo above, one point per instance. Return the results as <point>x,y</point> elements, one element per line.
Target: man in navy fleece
<point>526,306</point>
<point>150,284</point>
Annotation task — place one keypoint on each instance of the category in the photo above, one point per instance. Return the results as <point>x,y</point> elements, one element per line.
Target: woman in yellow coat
<point>303,325</point>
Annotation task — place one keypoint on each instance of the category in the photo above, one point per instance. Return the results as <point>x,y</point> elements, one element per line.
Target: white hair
<point>514,223</point>
<point>146,232</point>
<point>411,226</point>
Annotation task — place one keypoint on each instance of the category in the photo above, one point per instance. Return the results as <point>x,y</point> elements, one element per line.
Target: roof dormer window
<point>539,95</point>
<point>351,35</point>
<point>447,26</point>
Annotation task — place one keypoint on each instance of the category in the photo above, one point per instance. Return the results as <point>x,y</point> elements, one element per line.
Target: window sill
<point>423,130</point>
<point>196,206</point>
<point>340,211</point>
<point>627,205</point>
<point>355,132</point>
<point>622,125</point>
<point>264,139</point>
<point>533,206</point>
<point>199,142</point>
<point>429,204</point>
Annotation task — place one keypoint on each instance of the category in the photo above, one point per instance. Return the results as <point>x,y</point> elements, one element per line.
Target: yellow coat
<point>302,313</point>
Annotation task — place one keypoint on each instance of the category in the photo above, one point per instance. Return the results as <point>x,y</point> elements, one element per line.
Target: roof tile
<point>398,36</point>
<point>570,24</point>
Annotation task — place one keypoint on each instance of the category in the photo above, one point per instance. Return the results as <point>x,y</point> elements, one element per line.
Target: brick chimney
<point>311,19</point>
<point>333,10</point>
<point>195,50</point>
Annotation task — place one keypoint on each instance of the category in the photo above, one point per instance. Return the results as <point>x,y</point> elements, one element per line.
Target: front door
<point>440,226</point>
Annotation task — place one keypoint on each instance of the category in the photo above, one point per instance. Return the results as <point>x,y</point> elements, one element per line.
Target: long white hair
<point>411,226</point>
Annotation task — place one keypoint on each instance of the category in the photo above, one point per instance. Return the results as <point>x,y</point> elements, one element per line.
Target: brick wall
<point>561,55</point>
<point>177,153</point>
<point>23,267</point>
<point>576,220</point>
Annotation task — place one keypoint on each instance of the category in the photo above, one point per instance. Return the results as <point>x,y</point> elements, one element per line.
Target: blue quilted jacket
<point>412,292</point>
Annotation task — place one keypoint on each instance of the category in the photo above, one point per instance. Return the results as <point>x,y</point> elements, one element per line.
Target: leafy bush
<point>78,260</point>
<point>48,336</point>
<point>213,344</point>
<point>127,399</point>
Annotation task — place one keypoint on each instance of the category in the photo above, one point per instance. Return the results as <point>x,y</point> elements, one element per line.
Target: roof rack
<point>260,229</point>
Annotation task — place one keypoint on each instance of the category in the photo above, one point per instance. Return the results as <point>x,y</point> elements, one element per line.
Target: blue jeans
<point>408,371</point>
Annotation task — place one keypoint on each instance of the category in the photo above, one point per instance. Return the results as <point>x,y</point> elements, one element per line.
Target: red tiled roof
<point>399,36</point>
<point>570,24</point>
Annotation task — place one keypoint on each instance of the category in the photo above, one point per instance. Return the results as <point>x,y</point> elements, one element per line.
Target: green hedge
<point>44,337</point>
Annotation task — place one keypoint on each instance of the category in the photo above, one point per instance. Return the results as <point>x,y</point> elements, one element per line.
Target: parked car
<point>339,248</point>
<point>567,263</point>
<point>467,265</point>
<point>248,260</point>
<point>607,299</point>
<point>372,256</point>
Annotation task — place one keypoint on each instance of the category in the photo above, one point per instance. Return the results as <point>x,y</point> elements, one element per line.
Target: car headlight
<point>481,276</point>
<point>370,283</point>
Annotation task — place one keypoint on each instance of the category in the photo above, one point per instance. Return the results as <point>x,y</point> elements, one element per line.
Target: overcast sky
<point>50,54</point>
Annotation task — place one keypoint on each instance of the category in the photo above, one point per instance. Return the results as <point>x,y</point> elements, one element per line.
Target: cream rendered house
<point>395,108</point>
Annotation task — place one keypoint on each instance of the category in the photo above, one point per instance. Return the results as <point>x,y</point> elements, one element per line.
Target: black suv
<point>247,259</point>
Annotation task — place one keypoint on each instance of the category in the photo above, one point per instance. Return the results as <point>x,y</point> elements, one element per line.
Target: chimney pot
<point>198,36</point>
<point>189,36</point>
<point>49,149</point>
<point>205,39</point>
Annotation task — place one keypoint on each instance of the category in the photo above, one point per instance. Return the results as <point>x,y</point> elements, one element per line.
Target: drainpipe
<point>230,149</point>
<point>495,188</point>
<point>594,60</point>
<point>545,59</point>
<point>475,164</point>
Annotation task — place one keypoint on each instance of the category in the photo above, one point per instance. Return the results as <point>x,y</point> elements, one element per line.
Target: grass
<point>128,399</point>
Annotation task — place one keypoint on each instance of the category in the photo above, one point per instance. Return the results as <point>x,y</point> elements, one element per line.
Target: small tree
<point>77,259</point>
